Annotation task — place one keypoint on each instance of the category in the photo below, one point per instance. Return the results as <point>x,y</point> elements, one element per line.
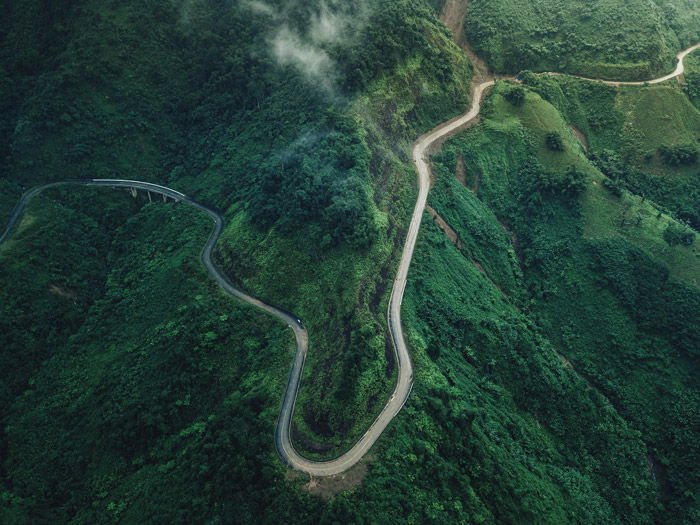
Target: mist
<point>306,48</point>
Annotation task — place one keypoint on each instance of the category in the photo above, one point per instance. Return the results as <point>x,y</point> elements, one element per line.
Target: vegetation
<point>553,330</point>
<point>633,40</point>
<point>625,129</point>
<point>515,95</point>
<point>314,160</point>
<point>692,77</point>
<point>554,141</point>
<point>597,285</point>
<point>679,155</point>
<point>132,385</point>
<point>675,235</point>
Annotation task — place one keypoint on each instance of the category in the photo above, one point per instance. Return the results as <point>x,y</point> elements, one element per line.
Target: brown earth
<point>453,15</point>
<point>446,228</point>
<point>327,487</point>
<point>580,136</point>
<point>461,172</point>
<point>63,292</point>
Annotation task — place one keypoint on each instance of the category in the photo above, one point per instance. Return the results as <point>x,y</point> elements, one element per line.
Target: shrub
<point>516,96</point>
<point>679,155</point>
<point>554,141</point>
<point>676,234</point>
<point>613,187</point>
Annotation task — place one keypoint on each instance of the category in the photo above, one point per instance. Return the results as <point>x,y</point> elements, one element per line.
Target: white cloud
<point>333,23</point>
<point>258,7</point>
<point>312,61</point>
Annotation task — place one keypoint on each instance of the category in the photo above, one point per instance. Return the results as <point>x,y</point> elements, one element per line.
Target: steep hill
<point>632,40</point>
<point>551,307</point>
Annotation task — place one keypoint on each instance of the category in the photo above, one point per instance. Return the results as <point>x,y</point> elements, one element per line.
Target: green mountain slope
<point>602,284</point>
<point>633,40</point>
<point>551,317</point>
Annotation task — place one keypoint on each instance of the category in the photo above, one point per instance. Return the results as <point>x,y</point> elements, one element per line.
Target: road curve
<point>680,69</point>
<point>421,151</point>
<point>404,382</point>
<point>282,430</point>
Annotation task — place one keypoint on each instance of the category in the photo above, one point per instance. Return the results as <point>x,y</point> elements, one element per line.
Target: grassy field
<point>634,218</point>
<point>657,116</point>
<point>626,129</point>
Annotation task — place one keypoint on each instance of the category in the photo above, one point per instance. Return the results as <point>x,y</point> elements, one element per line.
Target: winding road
<point>680,69</point>
<point>421,151</point>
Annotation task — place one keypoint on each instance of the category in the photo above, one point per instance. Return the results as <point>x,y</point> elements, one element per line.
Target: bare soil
<point>453,16</point>
<point>461,172</point>
<point>446,228</point>
<point>328,487</point>
<point>580,136</point>
<point>63,292</point>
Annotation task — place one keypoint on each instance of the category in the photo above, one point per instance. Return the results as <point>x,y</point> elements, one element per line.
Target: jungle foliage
<point>307,155</point>
<point>632,40</point>
<point>609,308</point>
<point>555,341</point>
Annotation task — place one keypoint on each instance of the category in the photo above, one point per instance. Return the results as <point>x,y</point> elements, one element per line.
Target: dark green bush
<point>675,235</point>
<point>554,141</point>
<point>679,154</point>
<point>516,96</point>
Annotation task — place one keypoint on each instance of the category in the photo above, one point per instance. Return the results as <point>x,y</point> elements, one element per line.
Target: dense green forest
<point>306,164</point>
<point>615,300</point>
<point>552,306</point>
<point>631,40</point>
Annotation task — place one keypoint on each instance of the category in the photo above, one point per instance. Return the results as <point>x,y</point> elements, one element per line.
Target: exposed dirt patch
<point>63,292</point>
<point>513,238</point>
<point>454,239</point>
<point>483,270</point>
<point>566,362</point>
<point>580,136</point>
<point>477,180</point>
<point>453,15</point>
<point>480,267</point>
<point>461,172</point>
<point>446,228</point>
<point>329,486</point>
<point>463,177</point>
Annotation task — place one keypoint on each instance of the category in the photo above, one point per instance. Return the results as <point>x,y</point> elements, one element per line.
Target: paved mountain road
<point>421,151</point>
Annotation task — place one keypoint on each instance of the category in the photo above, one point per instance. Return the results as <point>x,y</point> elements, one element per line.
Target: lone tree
<point>554,141</point>
<point>516,96</point>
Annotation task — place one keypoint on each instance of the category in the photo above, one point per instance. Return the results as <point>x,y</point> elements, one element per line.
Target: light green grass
<point>602,39</point>
<point>603,213</point>
<point>607,216</point>
<point>655,116</point>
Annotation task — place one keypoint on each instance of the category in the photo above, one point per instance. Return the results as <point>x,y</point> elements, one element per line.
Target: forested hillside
<point>552,305</point>
<point>612,293</point>
<point>631,40</point>
<point>298,116</point>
